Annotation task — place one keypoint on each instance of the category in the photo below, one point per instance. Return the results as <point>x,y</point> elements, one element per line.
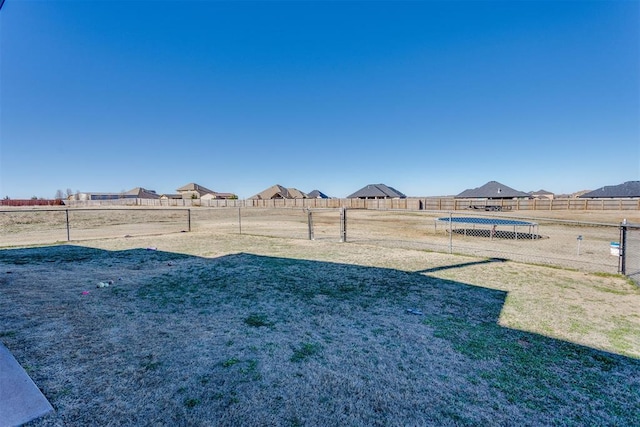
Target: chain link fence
<point>586,246</point>
<point>563,243</point>
<point>45,226</point>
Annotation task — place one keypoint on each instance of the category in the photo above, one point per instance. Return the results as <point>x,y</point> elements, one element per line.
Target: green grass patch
<point>230,362</point>
<point>257,320</point>
<point>304,351</point>
<point>191,402</point>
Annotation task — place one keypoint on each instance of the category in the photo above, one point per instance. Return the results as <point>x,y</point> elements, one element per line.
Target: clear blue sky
<point>428,97</point>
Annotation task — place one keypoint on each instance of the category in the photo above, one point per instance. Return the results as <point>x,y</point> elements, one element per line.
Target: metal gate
<point>630,251</point>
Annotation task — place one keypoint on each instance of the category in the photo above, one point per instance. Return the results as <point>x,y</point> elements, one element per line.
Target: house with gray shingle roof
<point>492,190</point>
<point>141,193</point>
<point>377,191</point>
<point>629,189</point>
<point>279,192</point>
<point>316,194</point>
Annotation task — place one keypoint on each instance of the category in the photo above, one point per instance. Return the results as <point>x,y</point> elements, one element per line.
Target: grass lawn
<point>248,330</point>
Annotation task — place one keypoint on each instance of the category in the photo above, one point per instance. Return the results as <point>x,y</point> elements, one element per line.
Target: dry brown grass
<point>219,329</point>
<point>46,225</point>
<point>401,229</point>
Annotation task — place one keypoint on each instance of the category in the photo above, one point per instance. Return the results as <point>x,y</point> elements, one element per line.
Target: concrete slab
<point>20,399</point>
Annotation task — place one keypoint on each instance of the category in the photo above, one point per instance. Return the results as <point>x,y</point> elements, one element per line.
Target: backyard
<point>210,328</point>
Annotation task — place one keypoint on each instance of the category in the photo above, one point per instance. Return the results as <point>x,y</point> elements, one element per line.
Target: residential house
<point>542,194</point>
<point>629,189</point>
<point>279,192</point>
<point>316,194</point>
<point>135,193</point>
<point>492,190</point>
<point>193,191</point>
<point>377,191</point>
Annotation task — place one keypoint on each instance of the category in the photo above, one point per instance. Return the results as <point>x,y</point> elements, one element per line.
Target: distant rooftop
<point>626,189</point>
<point>492,190</point>
<point>377,191</point>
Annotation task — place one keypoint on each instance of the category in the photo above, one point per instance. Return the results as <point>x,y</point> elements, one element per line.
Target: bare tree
<point>59,195</point>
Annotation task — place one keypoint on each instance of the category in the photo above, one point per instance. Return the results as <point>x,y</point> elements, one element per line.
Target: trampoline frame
<point>493,224</point>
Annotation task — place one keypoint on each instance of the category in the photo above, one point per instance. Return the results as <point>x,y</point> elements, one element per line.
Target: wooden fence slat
<point>413,203</point>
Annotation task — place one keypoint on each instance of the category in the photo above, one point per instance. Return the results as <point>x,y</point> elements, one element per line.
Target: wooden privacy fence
<point>31,202</point>
<point>412,203</point>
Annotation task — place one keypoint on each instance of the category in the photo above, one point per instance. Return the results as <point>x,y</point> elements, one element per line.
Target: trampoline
<point>488,227</point>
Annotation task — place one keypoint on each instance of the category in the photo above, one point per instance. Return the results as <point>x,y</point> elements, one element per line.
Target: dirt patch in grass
<point>267,331</point>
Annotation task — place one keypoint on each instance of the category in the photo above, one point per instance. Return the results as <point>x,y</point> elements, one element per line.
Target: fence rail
<point>412,203</point>
<point>586,246</point>
<point>31,202</point>
<point>49,225</point>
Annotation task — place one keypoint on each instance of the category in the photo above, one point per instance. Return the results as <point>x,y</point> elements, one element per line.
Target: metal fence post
<point>189,219</point>
<point>450,233</point>
<point>343,225</point>
<point>68,233</point>
<point>239,220</point>
<point>622,264</point>
<point>310,222</point>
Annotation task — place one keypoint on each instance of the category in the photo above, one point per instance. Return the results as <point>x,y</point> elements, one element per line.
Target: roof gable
<point>294,193</point>
<point>541,192</point>
<point>279,192</point>
<point>317,194</point>
<point>195,187</point>
<point>274,192</point>
<point>142,193</point>
<point>380,191</point>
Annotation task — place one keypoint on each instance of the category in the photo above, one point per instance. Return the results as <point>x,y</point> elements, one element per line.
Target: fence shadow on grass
<point>462,265</point>
<point>251,339</point>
